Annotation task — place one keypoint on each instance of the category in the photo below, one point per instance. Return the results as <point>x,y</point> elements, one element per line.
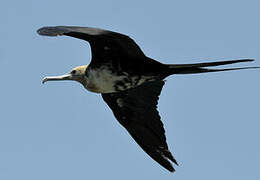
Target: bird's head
<point>76,74</point>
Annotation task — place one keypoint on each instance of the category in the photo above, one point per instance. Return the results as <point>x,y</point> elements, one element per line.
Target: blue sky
<point>61,131</point>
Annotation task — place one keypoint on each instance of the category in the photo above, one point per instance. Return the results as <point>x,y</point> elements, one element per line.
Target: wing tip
<point>169,167</point>
<point>52,31</point>
<point>164,158</point>
<point>174,161</point>
<point>171,158</point>
<point>63,30</point>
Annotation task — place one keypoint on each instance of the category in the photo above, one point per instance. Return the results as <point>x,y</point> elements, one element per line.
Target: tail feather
<point>201,67</point>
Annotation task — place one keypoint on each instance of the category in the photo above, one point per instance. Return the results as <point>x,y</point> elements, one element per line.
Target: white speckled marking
<point>120,102</point>
<point>102,80</point>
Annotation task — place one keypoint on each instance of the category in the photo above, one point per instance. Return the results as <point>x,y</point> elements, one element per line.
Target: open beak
<point>57,78</point>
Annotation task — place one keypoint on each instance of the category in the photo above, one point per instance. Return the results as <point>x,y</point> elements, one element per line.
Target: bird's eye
<point>73,72</point>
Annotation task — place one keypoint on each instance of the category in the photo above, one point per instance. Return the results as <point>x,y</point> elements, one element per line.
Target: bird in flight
<point>130,83</point>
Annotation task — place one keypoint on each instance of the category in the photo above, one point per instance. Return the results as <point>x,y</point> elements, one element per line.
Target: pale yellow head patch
<point>80,70</point>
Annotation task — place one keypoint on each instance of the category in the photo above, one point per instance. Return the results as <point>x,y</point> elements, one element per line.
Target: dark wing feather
<point>136,110</point>
<point>103,42</point>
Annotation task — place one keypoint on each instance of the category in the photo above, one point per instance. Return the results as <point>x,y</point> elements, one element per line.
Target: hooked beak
<point>57,78</point>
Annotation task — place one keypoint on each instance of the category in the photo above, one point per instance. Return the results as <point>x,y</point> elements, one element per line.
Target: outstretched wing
<point>104,43</point>
<point>136,110</point>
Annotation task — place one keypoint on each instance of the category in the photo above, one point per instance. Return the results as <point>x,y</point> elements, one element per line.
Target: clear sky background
<point>61,131</point>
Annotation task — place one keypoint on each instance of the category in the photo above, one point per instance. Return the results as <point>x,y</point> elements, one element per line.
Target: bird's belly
<point>103,80</point>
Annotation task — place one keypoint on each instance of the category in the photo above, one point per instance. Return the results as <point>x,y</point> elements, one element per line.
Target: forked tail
<point>202,67</point>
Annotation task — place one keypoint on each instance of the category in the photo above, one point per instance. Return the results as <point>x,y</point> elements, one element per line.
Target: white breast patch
<point>102,80</point>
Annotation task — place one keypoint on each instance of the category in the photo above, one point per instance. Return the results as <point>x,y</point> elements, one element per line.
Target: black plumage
<point>136,110</point>
<point>130,83</point>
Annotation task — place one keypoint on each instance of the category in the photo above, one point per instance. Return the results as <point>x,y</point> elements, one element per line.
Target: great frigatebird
<point>130,83</point>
